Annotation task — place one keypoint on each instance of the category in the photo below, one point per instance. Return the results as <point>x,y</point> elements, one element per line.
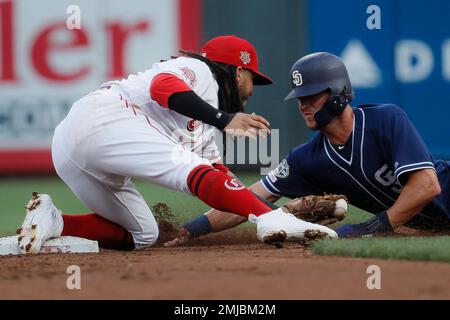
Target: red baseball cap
<point>237,52</point>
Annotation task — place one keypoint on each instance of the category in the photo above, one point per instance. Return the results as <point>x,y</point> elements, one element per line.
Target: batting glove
<point>379,223</point>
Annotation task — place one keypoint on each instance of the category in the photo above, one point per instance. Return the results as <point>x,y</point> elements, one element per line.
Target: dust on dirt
<point>167,223</point>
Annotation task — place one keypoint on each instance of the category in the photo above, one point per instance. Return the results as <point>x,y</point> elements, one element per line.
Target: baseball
<point>341,208</point>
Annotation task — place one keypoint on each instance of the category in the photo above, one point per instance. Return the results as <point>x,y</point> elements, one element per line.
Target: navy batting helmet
<point>318,72</point>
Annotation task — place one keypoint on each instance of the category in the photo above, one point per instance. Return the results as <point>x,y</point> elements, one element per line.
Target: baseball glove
<point>324,210</point>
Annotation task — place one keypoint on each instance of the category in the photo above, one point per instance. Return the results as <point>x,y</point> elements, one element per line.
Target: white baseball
<point>341,208</point>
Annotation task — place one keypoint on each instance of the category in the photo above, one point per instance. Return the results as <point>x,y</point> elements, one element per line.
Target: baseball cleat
<point>43,221</point>
<point>277,226</point>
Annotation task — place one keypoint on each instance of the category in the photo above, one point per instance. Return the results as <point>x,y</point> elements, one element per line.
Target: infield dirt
<point>231,265</point>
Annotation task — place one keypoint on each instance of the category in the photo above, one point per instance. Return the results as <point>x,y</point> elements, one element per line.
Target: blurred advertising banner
<point>54,52</point>
<point>396,51</point>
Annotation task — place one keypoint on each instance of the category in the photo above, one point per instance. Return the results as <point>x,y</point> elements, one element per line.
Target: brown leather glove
<point>324,210</point>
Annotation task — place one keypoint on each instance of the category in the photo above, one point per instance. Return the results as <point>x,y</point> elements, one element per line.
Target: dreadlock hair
<point>225,74</point>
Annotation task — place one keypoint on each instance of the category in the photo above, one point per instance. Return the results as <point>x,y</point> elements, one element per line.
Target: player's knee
<point>150,239</point>
<point>147,238</point>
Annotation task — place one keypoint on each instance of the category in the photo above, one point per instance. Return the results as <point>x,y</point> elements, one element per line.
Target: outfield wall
<point>45,66</point>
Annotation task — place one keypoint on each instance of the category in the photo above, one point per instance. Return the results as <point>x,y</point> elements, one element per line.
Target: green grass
<point>15,193</point>
<point>408,248</point>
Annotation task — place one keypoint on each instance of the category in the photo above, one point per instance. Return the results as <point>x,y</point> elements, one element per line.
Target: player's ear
<point>239,71</point>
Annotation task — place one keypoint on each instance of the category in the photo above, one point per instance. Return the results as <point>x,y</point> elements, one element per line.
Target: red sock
<point>94,227</point>
<point>222,192</point>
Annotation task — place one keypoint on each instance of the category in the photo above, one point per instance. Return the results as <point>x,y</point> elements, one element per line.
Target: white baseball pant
<point>103,143</point>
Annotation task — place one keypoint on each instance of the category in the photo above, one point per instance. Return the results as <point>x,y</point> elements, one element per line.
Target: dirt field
<point>219,267</point>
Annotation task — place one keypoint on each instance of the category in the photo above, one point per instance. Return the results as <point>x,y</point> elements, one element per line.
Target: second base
<point>66,244</point>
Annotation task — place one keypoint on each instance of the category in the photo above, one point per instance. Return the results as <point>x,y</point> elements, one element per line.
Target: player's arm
<point>220,220</point>
<point>414,170</point>
<point>421,188</point>
<point>279,182</point>
<point>276,184</point>
<point>215,220</point>
<point>172,92</point>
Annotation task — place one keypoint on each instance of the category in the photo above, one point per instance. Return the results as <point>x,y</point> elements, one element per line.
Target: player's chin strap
<point>333,107</point>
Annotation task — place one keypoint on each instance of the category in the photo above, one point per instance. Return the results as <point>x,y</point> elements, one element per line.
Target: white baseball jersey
<point>194,135</point>
<point>113,135</point>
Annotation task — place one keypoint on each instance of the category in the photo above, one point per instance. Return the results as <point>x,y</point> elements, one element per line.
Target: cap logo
<point>297,78</point>
<point>245,57</point>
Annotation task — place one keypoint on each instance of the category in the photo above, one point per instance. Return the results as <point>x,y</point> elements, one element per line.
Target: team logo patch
<point>234,184</point>
<point>297,78</point>
<point>282,171</point>
<point>193,124</point>
<point>245,57</point>
<point>190,76</point>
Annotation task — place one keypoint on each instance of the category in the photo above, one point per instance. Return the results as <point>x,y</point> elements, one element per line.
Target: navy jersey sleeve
<point>286,180</point>
<point>408,150</point>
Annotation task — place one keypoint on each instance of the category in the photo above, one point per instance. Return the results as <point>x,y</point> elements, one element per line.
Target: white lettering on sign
<point>446,60</point>
<point>53,53</point>
<point>414,61</point>
<point>362,69</point>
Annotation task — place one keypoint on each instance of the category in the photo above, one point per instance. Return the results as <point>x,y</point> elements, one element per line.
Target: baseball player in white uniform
<point>157,126</point>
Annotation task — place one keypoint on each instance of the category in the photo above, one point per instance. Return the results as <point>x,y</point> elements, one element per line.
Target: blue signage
<point>396,51</point>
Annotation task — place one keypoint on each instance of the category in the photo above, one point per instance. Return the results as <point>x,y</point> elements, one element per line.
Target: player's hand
<point>248,125</point>
<point>182,237</point>
<point>377,224</point>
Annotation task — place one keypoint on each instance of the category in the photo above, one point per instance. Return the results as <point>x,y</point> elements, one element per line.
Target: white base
<point>8,245</point>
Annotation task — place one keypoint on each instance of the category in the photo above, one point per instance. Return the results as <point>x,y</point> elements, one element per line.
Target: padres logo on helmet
<point>318,72</point>
<point>297,78</point>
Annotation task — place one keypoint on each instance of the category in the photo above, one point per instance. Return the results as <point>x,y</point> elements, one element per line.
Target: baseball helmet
<point>318,72</point>
<point>237,52</point>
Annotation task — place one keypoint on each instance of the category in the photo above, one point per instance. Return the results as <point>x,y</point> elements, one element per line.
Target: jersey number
<point>386,177</point>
